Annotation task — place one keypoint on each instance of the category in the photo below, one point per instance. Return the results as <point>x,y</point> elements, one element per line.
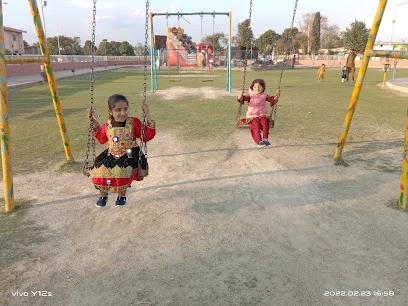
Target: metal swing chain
<point>91,138</point>
<point>178,47</point>
<point>214,32</point>
<point>275,107</point>
<point>143,146</point>
<point>245,68</point>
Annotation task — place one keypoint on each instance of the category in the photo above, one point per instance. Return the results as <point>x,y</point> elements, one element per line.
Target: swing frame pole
<point>51,79</point>
<point>4,125</point>
<point>153,72</point>
<point>369,52</point>
<point>359,82</point>
<point>229,70</point>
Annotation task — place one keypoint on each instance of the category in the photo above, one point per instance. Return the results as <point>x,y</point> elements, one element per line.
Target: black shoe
<point>120,201</point>
<point>101,202</point>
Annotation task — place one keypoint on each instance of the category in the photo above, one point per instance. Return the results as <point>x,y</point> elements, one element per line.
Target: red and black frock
<point>116,167</point>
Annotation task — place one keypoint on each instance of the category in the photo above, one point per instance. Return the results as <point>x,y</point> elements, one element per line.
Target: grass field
<point>204,123</point>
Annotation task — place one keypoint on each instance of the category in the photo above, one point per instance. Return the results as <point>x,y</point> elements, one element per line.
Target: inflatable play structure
<point>183,51</point>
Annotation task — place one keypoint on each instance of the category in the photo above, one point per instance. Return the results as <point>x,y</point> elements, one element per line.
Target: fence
<point>72,62</point>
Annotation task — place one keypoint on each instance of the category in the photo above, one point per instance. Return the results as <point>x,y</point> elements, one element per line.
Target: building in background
<point>32,50</point>
<point>13,40</point>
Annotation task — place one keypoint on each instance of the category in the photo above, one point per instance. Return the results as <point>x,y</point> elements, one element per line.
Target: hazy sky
<point>124,19</point>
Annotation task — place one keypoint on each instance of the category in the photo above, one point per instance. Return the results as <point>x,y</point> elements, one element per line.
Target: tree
<point>245,35</point>
<point>356,36</point>
<point>280,46</point>
<point>315,34</point>
<point>25,43</point>
<point>126,49</point>
<point>139,49</point>
<point>112,48</point>
<point>102,47</point>
<point>218,40</point>
<point>306,27</point>
<point>88,48</point>
<point>301,42</point>
<point>52,44</point>
<point>289,42</point>
<point>266,41</point>
<point>234,41</point>
<point>331,37</point>
<point>68,45</point>
<point>76,45</point>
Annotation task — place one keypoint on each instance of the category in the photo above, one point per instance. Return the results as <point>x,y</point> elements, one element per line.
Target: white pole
<point>393,22</point>
<point>59,49</point>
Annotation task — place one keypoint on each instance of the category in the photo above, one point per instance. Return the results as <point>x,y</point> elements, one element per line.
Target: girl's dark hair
<point>114,99</point>
<point>260,82</point>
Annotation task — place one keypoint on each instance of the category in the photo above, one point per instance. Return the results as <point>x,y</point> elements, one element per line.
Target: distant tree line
<point>314,33</point>
<point>72,46</point>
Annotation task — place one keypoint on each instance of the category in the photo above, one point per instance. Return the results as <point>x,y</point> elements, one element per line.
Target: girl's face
<point>120,111</point>
<point>257,88</point>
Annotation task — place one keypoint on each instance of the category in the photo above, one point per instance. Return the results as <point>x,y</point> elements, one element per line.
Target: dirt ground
<point>228,224</point>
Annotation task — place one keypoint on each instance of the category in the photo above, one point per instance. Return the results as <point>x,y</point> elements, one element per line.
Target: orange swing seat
<point>243,122</point>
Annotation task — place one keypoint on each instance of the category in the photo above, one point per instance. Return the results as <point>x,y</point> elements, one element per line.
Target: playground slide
<point>175,49</point>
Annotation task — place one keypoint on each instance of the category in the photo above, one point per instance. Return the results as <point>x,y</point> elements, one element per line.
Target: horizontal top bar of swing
<point>184,14</point>
<point>389,54</point>
<point>25,59</point>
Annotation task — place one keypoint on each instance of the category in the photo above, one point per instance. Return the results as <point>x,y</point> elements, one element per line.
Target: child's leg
<point>102,199</point>
<point>265,127</point>
<point>121,200</point>
<point>255,127</point>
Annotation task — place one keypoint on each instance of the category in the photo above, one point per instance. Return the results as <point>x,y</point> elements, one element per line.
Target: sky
<point>124,20</point>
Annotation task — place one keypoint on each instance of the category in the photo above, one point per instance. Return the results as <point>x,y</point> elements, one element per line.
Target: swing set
<point>45,59</point>
<point>242,121</point>
<point>4,120</point>
<point>142,170</point>
<point>177,77</point>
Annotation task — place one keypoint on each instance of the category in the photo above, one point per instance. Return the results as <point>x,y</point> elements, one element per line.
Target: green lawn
<point>36,142</point>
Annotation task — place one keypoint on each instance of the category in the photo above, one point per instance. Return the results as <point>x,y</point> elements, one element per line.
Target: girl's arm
<point>273,99</point>
<point>99,132</point>
<point>150,130</point>
<point>243,97</point>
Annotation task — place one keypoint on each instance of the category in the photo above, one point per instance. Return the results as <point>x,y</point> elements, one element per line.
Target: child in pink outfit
<point>257,114</point>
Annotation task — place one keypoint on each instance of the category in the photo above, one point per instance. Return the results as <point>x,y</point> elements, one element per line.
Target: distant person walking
<point>350,64</point>
<point>320,73</point>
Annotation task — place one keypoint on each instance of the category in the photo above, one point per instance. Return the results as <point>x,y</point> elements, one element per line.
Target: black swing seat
<point>243,122</point>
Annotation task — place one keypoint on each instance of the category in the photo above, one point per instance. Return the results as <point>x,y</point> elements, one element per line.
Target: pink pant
<point>256,126</point>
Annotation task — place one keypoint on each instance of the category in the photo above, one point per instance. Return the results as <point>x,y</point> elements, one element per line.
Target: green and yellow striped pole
<point>360,78</point>
<point>402,203</point>
<point>51,79</point>
<point>4,124</point>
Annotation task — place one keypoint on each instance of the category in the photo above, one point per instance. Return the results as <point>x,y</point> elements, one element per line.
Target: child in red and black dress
<point>116,167</point>
<point>257,114</point>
